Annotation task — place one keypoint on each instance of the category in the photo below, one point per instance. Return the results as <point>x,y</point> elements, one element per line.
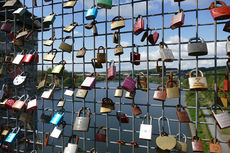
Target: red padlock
<point>6,26</point>
<point>135,57</point>
<point>30,57</point>
<point>226,82</point>
<point>9,103</point>
<point>111,71</point>
<point>122,117</point>
<point>152,38</point>
<point>139,25</point>
<point>159,94</point>
<point>129,84</point>
<point>177,20</point>
<point>101,136</point>
<point>220,13</point>
<point>20,104</point>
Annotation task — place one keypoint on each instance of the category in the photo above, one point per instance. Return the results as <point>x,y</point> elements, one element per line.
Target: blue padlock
<point>91,13</point>
<point>12,136</point>
<point>57,118</point>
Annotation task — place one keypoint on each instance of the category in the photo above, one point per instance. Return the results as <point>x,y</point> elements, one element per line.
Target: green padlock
<point>105,3</point>
<point>58,69</point>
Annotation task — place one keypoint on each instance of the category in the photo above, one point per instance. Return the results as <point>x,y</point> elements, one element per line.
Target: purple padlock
<point>6,26</point>
<point>129,84</point>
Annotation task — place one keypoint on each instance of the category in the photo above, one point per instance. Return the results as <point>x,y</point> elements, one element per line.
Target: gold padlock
<point>51,40</point>
<point>130,95</point>
<point>182,146</point>
<point>95,63</point>
<point>197,83</point>
<point>172,92</point>
<point>59,68</point>
<point>81,93</point>
<point>223,101</point>
<point>101,57</point>
<point>66,47</point>
<point>49,56</point>
<point>70,27</point>
<point>70,4</point>
<point>118,92</point>
<point>142,83</point>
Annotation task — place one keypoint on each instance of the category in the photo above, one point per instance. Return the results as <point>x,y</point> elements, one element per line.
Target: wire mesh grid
<point>157,16</point>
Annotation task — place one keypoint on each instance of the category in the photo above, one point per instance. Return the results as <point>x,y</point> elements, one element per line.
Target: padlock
<point>228,46</point>
<point>146,129</point>
<point>152,38</point>
<point>105,4</point>
<point>91,14</point>
<point>129,84</point>
<point>139,25</point>
<point>101,57</point>
<point>57,131</point>
<point>20,11</point>
<point>48,94</point>
<point>165,53</point>
<point>31,57</point>
<point>159,68</point>
<point>226,82</point>
<point>96,64</point>
<point>70,27</point>
<point>20,79</point>
<point>118,22</point>
<point>214,147</point>
<point>21,102</point>
<point>197,145</point>
<point>135,57</point>
<point>57,118</point>
<point>181,146</point>
<point>118,50</point>
<point>61,102</point>
<point>11,3</point>
<point>198,47</point>
<point>177,20</point>
<point>32,103</point>
<point>118,92</point>
<point>81,52</point>
<point>5,131</point>
<point>219,13</point>
<point>89,82</point>
<point>18,59</point>
<point>197,83</point>
<point>222,119</point>
<point>18,42</point>
<point>6,26</point>
<point>107,105</point>
<point>58,69</point>
<point>49,19</point>
<point>136,109</point>
<point>227,27</point>
<point>72,147</point>
<point>69,91</point>
<point>159,94</point>
<point>122,117</point>
<point>165,141</point>
<point>10,102</point>
<point>116,37</point>
<point>12,135</point>
<point>50,55</point>
<point>172,92</point>
<point>101,137</point>
<point>95,33</point>
<point>42,83</point>
<point>70,4</point>
<point>9,57</point>
<point>45,118</point>
<point>223,101</point>
<point>22,33</point>
<point>130,95</point>
<point>182,114</point>
<point>82,123</point>
<point>81,93</point>
<point>66,47</point>
<point>111,71</point>
<point>93,150</point>
<point>142,83</point>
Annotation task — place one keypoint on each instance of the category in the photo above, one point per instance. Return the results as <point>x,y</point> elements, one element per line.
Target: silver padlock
<point>57,131</point>
<point>228,46</point>
<point>72,147</point>
<point>165,53</point>
<point>198,47</point>
<point>82,123</point>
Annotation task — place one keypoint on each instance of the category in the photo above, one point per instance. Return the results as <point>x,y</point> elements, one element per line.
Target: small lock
<point>12,135</point>
<point>91,13</point>
<point>108,4</point>
<point>57,131</point>
<point>197,47</point>
<point>118,92</point>
<point>57,118</point>
<point>61,102</point>
<point>130,95</point>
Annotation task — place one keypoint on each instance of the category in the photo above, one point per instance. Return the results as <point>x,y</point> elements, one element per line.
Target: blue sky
<point>155,7</point>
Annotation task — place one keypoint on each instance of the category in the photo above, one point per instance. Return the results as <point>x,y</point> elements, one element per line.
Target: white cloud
<point>125,43</point>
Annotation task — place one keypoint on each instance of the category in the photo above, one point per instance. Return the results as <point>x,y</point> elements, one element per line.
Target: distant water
<point>140,98</point>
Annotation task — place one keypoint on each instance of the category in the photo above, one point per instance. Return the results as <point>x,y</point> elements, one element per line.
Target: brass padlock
<point>49,56</point>
<point>81,52</point>
<point>118,92</point>
<point>61,102</point>
<point>81,93</point>
<point>118,50</point>
<point>159,68</point>
<point>70,4</point>
<point>101,57</point>
<point>66,47</point>
<point>130,95</point>
<point>51,40</point>
<point>181,146</point>
<point>70,27</point>
<point>172,92</point>
<point>197,83</point>
<point>95,63</point>
<point>223,101</point>
<point>142,83</point>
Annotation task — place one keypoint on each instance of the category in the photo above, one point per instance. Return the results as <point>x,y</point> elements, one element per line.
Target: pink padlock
<point>6,26</point>
<point>177,20</point>
<point>111,72</point>
<point>129,84</point>
<point>89,82</point>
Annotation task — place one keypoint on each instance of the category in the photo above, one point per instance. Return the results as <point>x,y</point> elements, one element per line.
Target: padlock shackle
<point>162,44</point>
<point>68,37</point>
<point>183,136</point>
<point>63,62</point>
<point>73,136</point>
<point>214,141</point>
<point>191,72</point>
<point>222,90</point>
<point>25,96</point>
<point>74,23</point>
<point>139,16</point>
<point>150,118</point>
<point>52,50</point>
<point>171,81</point>
<point>99,48</point>
<point>101,127</point>
<point>217,106</point>
<point>214,5</point>
<point>117,18</point>
<point>179,107</point>
<point>196,138</point>
<point>91,150</point>
<point>84,108</point>
<point>112,62</point>
<point>93,74</point>
<point>196,38</point>
<point>159,124</point>
<point>159,88</point>
<point>14,130</point>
